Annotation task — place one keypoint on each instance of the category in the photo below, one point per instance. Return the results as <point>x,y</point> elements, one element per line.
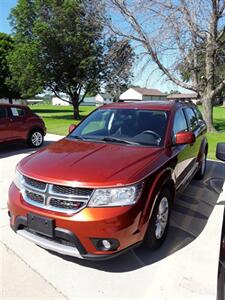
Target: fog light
<point>106,244</point>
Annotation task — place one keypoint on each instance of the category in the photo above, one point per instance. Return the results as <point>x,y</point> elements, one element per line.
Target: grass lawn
<point>58,119</point>
<point>219,123</point>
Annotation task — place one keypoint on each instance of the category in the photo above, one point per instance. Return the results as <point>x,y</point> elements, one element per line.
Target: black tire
<point>35,138</point>
<point>151,240</point>
<point>202,167</point>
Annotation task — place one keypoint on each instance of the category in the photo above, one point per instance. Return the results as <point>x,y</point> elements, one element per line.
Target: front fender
<point>163,178</point>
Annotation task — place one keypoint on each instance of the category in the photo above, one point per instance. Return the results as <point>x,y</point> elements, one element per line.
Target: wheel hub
<point>36,138</point>
<point>162,217</point>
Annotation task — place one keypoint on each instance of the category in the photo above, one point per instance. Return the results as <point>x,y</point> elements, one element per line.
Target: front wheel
<point>159,222</point>
<point>35,139</point>
<point>202,167</point>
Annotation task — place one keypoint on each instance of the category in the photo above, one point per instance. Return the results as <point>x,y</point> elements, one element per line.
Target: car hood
<point>91,164</point>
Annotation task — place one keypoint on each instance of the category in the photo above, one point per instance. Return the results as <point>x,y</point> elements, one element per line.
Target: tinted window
<point>180,123</point>
<point>144,127</point>
<point>2,113</point>
<point>17,112</point>
<point>191,117</point>
<point>198,114</point>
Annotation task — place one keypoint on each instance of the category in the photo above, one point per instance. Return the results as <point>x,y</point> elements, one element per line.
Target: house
<point>58,101</point>
<point>33,101</point>
<point>103,98</point>
<point>18,101</point>
<point>88,101</point>
<point>142,94</point>
<point>189,97</point>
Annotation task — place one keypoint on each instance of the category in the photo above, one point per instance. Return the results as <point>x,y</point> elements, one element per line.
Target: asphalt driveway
<point>184,268</point>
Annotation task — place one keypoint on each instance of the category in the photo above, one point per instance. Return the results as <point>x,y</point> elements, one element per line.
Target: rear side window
<point>3,113</point>
<point>198,114</point>
<point>180,123</point>
<point>191,118</point>
<point>17,112</point>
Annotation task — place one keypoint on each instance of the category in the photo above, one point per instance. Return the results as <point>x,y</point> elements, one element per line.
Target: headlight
<point>116,196</point>
<point>18,180</point>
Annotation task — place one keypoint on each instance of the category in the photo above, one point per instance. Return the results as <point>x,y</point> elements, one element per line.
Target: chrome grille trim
<point>48,194</point>
<point>32,183</point>
<point>68,190</point>
<point>69,196</point>
<point>34,197</point>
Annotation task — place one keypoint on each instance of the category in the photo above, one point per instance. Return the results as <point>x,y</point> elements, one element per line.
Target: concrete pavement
<point>184,268</point>
<point>18,280</point>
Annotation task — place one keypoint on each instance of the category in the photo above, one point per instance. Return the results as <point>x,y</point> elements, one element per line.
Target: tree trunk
<point>208,112</point>
<point>10,100</point>
<point>76,113</point>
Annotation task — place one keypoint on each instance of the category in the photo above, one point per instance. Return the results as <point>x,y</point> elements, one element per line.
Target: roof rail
<point>183,101</point>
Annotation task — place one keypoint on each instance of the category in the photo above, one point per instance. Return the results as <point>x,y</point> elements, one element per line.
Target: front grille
<point>55,197</point>
<point>66,204</point>
<point>35,197</point>
<point>68,190</point>
<point>34,183</point>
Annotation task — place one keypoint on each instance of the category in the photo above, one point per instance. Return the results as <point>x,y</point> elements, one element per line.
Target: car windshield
<point>127,126</point>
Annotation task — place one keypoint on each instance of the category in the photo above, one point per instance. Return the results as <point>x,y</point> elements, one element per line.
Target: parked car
<point>220,154</point>
<point>110,184</point>
<point>19,123</point>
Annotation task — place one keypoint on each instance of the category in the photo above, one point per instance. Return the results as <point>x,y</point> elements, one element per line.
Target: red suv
<point>19,123</point>
<point>110,184</point>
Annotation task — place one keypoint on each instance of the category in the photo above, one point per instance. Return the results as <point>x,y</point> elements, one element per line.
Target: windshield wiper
<point>112,139</point>
<point>78,137</point>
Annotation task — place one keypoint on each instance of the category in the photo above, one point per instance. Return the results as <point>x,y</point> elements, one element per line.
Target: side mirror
<point>184,138</point>
<point>71,128</point>
<point>220,151</point>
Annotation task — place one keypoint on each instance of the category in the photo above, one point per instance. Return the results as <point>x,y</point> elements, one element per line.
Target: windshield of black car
<point>131,126</point>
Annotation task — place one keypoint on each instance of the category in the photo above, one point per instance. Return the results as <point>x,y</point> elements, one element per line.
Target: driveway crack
<point>35,271</point>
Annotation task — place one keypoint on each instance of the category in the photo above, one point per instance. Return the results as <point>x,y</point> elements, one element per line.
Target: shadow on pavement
<point>11,149</point>
<point>190,214</point>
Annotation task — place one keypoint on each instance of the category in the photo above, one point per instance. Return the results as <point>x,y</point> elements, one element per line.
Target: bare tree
<point>119,60</point>
<point>178,32</point>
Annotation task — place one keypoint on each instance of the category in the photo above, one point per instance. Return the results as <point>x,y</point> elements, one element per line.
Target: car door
<point>182,152</point>
<point>201,127</point>
<point>18,124</point>
<point>197,129</point>
<point>5,131</point>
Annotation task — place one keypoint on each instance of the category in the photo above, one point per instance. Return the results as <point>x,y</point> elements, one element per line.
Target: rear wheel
<point>202,167</point>
<point>159,222</point>
<point>36,138</point>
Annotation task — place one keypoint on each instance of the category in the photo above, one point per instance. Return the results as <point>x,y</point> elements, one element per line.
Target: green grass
<point>58,119</point>
<point>219,123</point>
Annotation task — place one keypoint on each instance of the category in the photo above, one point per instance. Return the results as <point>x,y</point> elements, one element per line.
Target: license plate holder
<point>40,224</point>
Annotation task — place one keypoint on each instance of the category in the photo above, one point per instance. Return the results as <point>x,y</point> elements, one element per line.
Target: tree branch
<point>220,35</point>
<point>148,45</point>
<point>191,24</point>
<point>57,95</point>
<point>218,89</point>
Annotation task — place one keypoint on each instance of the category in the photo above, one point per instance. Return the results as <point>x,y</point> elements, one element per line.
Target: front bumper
<point>78,252</point>
<point>74,233</point>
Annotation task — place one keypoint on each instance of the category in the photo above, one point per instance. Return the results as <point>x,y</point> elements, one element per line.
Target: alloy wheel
<point>161,218</point>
